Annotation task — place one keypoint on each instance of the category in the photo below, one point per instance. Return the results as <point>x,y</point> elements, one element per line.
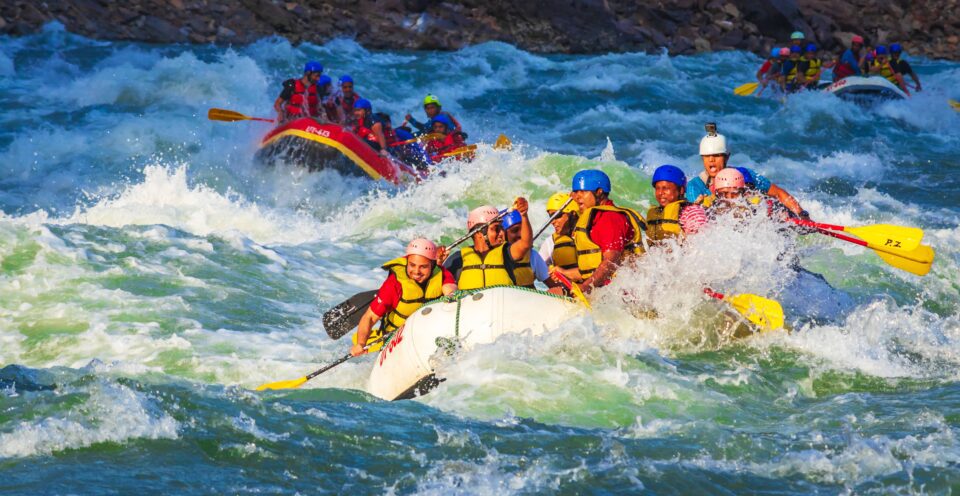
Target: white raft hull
<point>403,368</point>
<point>866,88</point>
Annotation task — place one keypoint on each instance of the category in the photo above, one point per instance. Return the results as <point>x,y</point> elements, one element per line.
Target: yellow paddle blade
<point>898,238</point>
<point>955,104</point>
<point>919,263</point>
<point>923,254</point>
<point>463,150</point>
<point>216,114</point>
<point>575,289</point>
<point>746,89</point>
<point>292,384</point>
<point>503,143</point>
<point>764,312</point>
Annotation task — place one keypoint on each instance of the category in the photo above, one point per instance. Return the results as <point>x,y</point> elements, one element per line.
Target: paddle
<point>423,137</point>
<point>746,89</point>
<point>763,312</point>
<point>554,216</point>
<point>573,288</point>
<point>503,143</point>
<point>295,383</point>
<point>955,104</point>
<point>896,237</point>
<point>224,115</point>
<point>918,261</point>
<point>343,318</point>
<point>463,150</point>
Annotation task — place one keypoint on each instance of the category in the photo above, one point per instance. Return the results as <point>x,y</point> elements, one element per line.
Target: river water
<point>151,275</point>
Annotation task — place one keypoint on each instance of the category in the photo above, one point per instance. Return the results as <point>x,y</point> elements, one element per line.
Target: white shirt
<point>546,250</point>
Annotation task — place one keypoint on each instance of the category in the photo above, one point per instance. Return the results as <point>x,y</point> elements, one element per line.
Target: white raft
<point>859,88</point>
<point>403,367</point>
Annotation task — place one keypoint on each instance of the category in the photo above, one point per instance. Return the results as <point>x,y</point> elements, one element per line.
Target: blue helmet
<point>880,50</point>
<point>363,103</point>
<point>511,218</point>
<point>812,47</point>
<point>324,80</point>
<point>312,66</point>
<point>442,119</point>
<point>747,176</point>
<point>795,49</point>
<point>775,52</point>
<point>670,173</point>
<point>591,180</point>
<point>346,79</point>
<point>895,48</point>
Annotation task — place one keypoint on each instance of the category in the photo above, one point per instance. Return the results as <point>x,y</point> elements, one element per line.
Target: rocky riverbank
<point>930,28</point>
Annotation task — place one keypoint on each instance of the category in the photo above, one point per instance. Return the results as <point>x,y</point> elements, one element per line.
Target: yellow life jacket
<point>523,272</point>
<point>564,251</point>
<point>664,221</point>
<point>886,70</point>
<point>413,295</point>
<point>488,270</point>
<point>792,75</point>
<point>814,68</point>
<point>588,252</point>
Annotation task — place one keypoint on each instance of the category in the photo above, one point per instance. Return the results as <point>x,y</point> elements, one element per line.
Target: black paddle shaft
<point>554,216</point>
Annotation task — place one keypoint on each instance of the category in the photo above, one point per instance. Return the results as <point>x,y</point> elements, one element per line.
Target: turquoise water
<point>151,275</point>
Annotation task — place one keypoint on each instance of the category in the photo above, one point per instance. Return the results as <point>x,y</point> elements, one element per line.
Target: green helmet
<point>427,100</point>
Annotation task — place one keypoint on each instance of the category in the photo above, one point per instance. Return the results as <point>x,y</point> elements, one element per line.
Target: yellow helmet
<point>427,100</point>
<point>558,199</point>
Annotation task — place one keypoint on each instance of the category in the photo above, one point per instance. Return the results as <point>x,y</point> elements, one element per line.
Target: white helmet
<point>713,144</point>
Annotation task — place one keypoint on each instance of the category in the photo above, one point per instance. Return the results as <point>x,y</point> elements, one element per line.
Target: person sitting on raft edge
<point>674,217</point>
<point>413,280</point>
<point>559,250</point>
<point>371,130</point>
<point>299,97</point>
<point>715,155</point>
<point>432,107</point>
<point>605,234</point>
<point>492,260</point>
<point>449,141</point>
<point>531,267</point>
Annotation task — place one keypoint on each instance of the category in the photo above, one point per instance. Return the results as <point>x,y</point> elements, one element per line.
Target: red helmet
<point>857,39</point>
<point>423,247</point>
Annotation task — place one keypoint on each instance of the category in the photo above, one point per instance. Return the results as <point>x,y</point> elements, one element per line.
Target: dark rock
<point>731,39</point>
<point>161,31</point>
<point>570,26</point>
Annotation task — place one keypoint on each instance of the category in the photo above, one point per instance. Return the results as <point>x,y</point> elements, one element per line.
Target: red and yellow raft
<point>315,146</point>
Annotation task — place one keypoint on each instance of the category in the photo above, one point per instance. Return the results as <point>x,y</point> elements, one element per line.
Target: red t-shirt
<point>389,295</point>
<point>611,230</point>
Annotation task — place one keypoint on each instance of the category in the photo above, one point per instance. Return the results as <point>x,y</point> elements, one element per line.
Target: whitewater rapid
<point>151,274</point>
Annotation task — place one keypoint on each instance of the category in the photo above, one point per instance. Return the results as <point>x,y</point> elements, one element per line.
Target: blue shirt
<point>696,186</point>
<point>849,58</point>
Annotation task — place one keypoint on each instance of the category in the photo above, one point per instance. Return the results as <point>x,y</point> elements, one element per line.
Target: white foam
<point>164,197</point>
<point>111,413</point>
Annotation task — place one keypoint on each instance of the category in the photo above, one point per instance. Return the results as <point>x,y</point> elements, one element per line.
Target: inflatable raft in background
<point>865,90</point>
<point>403,368</point>
<point>307,143</point>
